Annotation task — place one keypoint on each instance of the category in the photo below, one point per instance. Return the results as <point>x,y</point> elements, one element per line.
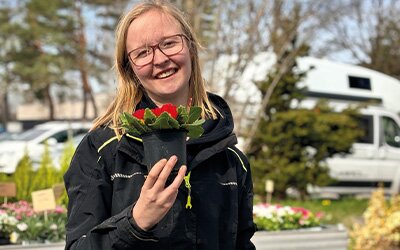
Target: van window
<point>365,123</point>
<point>391,132</point>
<point>61,136</point>
<point>359,82</point>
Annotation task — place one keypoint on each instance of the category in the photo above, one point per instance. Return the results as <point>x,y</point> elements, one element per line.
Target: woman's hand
<point>155,198</point>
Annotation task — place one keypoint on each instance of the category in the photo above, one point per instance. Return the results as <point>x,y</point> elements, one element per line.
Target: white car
<point>32,140</point>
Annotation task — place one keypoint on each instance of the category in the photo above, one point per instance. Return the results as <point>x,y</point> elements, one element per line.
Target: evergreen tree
<point>46,175</point>
<point>23,178</point>
<point>65,161</point>
<point>45,53</point>
<point>295,145</point>
<point>7,44</point>
<point>66,157</point>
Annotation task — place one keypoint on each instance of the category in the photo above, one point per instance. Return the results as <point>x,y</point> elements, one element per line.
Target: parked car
<point>32,141</point>
<point>4,136</point>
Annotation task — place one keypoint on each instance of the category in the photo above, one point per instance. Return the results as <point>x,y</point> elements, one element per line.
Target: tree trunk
<point>50,101</point>
<point>4,105</point>
<point>83,66</point>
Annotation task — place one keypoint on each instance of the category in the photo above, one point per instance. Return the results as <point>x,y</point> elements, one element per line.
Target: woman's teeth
<point>166,74</point>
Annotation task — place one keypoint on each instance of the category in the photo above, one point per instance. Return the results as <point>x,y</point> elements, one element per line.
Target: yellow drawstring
<point>189,187</point>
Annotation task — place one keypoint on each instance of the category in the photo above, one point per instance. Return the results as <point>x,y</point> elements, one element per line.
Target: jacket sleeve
<point>90,225</point>
<point>246,226</point>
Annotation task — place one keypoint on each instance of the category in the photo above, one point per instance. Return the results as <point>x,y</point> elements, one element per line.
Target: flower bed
<point>276,217</point>
<point>20,224</point>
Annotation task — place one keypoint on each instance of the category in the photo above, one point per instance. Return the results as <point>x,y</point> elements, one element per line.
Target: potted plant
<point>164,131</point>
<point>7,224</point>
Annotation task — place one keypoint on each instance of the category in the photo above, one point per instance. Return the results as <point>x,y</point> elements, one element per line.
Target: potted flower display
<point>272,217</point>
<point>22,225</point>
<point>285,227</point>
<point>7,225</point>
<point>164,131</point>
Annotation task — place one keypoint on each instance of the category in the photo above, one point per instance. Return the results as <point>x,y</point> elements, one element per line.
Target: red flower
<point>157,111</point>
<point>139,114</point>
<point>170,109</point>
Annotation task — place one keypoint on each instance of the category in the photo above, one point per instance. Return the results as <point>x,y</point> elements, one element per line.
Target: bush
<point>381,227</point>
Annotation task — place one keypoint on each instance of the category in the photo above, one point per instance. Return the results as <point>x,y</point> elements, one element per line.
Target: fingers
<point>158,175</point>
<point>179,178</point>
<point>154,173</point>
<point>162,178</point>
<point>168,196</point>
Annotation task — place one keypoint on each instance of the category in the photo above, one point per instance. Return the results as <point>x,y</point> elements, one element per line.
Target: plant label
<point>8,189</point>
<point>43,200</point>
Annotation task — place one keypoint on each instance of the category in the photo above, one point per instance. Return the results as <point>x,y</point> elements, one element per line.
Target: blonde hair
<point>129,92</point>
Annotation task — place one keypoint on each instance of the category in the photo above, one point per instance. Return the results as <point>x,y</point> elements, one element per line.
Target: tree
<point>46,174</point>
<point>66,157</point>
<point>293,25</point>
<point>201,16</point>
<point>23,178</point>
<point>92,60</point>
<point>369,32</point>
<point>44,56</point>
<point>290,144</point>
<point>7,44</point>
<point>296,143</point>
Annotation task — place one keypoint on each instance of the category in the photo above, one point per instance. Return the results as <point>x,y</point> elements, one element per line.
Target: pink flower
<point>59,210</point>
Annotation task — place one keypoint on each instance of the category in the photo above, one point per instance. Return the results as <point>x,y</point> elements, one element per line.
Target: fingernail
<point>174,158</point>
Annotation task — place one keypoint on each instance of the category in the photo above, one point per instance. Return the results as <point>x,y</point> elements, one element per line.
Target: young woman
<point>114,202</point>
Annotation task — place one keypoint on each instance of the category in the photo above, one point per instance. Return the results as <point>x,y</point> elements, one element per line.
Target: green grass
<point>346,211</point>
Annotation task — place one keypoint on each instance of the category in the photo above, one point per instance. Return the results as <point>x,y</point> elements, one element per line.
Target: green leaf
<point>194,114</point>
<point>194,131</point>
<point>124,121</point>
<point>165,121</point>
<point>131,121</point>
<point>149,116</point>
<point>132,130</point>
<point>183,116</point>
<point>198,122</point>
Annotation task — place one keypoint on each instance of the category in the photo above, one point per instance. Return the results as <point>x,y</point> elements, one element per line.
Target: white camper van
<point>375,158</point>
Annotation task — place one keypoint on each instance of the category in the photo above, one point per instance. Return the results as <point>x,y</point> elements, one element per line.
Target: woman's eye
<point>168,43</point>
<point>142,53</point>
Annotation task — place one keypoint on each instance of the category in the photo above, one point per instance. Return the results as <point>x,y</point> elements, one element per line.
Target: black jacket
<point>106,175</point>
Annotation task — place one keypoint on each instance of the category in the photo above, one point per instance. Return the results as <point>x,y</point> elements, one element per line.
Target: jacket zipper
<point>189,187</point>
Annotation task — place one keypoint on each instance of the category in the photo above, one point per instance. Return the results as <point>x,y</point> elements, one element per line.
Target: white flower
<point>22,226</point>
<point>53,226</point>
<point>14,237</point>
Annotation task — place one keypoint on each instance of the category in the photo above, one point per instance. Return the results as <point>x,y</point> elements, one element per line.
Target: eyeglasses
<point>169,46</point>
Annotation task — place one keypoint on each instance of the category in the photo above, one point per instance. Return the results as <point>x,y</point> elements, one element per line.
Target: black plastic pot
<point>164,143</point>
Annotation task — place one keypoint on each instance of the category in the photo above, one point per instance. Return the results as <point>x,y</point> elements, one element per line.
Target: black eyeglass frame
<point>153,47</point>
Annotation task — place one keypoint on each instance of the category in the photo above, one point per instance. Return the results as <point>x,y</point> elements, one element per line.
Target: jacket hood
<point>216,130</point>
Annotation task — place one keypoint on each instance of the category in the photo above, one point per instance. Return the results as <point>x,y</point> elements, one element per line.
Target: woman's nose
<point>159,57</point>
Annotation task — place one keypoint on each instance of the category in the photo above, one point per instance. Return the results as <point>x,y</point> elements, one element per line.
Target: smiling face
<point>166,78</point>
